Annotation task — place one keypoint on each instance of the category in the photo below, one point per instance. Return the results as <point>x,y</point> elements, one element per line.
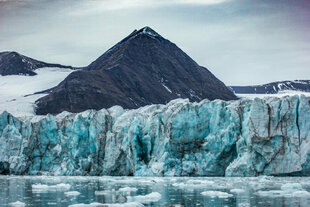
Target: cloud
<point>96,6</point>
<point>240,41</point>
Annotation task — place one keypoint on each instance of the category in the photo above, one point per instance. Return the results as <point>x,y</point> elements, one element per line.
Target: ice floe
<point>287,190</point>
<point>130,204</point>
<point>18,204</point>
<point>149,198</point>
<point>237,190</point>
<point>128,189</point>
<point>219,194</point>
<point>193,184</point>
<point>72,193</point>
<point>58,187</point>
<point>103,192</point>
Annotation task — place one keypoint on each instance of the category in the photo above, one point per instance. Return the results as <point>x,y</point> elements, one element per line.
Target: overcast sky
<point>241,41</point>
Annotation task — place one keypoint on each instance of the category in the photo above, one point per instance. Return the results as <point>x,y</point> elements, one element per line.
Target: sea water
<point>154,191</point>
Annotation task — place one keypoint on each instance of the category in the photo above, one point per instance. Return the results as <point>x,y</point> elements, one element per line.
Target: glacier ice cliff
<point>268,136</point>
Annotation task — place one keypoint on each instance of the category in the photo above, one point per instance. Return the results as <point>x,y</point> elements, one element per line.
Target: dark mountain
<point>144,68</point>
<point>13,63</point>
<point>273,88</point>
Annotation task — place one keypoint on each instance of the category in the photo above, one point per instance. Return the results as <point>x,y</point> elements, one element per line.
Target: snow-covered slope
<point>274,87</point>
<point>17,91</point>
<point>279,94</point>
<point>268,136</point>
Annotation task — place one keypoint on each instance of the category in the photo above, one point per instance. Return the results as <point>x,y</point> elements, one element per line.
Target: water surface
<point>153,191</point>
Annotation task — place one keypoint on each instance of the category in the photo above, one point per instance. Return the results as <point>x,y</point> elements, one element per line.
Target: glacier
<point>269,136</point>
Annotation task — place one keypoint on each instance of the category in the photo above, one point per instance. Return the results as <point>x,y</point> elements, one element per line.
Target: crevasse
<point>212,138</point>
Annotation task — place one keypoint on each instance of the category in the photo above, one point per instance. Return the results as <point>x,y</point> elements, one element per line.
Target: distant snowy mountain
<point>274,88</point>
<point>142,69</point>
<point>13,63</point>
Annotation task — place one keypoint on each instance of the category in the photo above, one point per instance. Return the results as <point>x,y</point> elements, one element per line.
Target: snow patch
<point>167,88</point>
<point>278,95</point>
<point>17,91</point>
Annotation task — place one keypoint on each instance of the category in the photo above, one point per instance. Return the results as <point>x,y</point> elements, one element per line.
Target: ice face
<point>212,138</point>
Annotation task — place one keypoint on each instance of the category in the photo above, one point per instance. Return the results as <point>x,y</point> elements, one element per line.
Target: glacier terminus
<point>269,136</point>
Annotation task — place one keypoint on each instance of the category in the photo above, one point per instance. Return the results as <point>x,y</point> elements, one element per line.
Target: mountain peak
<point>14,63</point>
<point>149,31</point>
<point>142,69</point>
<point>144,31</point>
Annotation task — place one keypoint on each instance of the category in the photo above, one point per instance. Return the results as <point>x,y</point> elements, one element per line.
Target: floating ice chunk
<point>200,182</point>
<point>17,203</point>
<point>194,184</point>
<point>63,186</point>
<point>59,187</point>
<point>291,187</point>
<point>269,193</point>
<point>180,185</point>
<point>87,205</point>
<point>244,205</point>
<point>265,179</point>
<point>287,190</point>
<point>134,181</point>
<point>237,190</point>
<point>128,189</point>
<point>281,193</point>
<point>219,194</point>
<point>40,186</point>
<point>72,193</point>
<point>103,192</point>
<point>130,204</point>
<point>300,193</point>
<point>152,197</point>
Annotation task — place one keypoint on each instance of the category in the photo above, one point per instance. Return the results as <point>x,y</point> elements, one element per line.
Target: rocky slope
<point>13,63</point>
<point>212,138</point>
<point>274,88</point>
<point>142,69</point>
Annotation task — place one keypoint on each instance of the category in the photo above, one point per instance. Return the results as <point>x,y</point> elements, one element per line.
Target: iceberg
<point>269,136</point>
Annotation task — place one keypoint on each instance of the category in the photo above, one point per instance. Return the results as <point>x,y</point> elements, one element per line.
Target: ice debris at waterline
<point>212,138</point>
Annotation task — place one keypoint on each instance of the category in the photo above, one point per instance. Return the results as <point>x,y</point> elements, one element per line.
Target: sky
<point>242,42</point>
